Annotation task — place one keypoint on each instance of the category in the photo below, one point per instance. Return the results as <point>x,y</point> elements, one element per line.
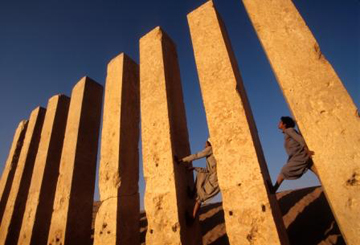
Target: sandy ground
<point>306,214</point>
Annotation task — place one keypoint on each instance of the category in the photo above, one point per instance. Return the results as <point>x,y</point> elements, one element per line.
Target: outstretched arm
<point>204,153</point>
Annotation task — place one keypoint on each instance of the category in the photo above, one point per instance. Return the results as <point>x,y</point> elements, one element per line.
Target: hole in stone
<point>104,225</point>
<point>151,231</point>
<point>239,184</point>
<point>57,239</point>
<point>353,180</point>
<point>230,213</point>
<point>101,232</point>
<point>156,164</point>
<point>108,232</point>
<point>263,208</point>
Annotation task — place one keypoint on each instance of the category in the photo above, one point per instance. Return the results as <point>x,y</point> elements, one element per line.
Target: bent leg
<point>196,208</point>
<point>314,170</point>
<point>279,180</point>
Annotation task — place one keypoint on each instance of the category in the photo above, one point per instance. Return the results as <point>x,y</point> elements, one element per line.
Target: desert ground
<point>306,214</point>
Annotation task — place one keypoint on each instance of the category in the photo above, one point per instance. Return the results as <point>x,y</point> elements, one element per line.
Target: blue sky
<point>47,46</point>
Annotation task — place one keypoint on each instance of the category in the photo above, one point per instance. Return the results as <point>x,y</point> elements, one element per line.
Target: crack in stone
<point>113,197</point>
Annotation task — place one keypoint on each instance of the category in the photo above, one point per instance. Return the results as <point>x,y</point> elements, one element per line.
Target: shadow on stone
<point>143,227</point>
<point>223,240</point>
<point>211,216</point>
<point>306,215</point>
<point>311,217</point>
<point>288,198</point>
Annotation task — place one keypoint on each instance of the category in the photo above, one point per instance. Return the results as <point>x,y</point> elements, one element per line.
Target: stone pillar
<point>11,164</point>
<point>15,207</point>
<point>326,114</point>
<point>117,221</point>
<point>72,210</point>
<point>37,215</point>
<point>164,134</point>
<point>252,215</point>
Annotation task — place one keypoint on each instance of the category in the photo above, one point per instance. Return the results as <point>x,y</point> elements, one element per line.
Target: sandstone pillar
<point>252,215</point>
<point>117,221</point>
<point>37,215</point>
<point>326,114</point>
<point>14,210</point>
<point>72,215</point>
<point>11,164</point>
<point>164,134</point>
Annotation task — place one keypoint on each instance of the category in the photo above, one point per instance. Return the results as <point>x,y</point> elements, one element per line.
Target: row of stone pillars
<point>47,186</point>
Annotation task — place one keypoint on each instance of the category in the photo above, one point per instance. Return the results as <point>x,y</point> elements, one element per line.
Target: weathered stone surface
<point>326,114</point>
<point>306,214</point>
<point>15,207</point>
<point>252,215</point>
<point>71,218</point>
<point>164,134</point>
<point>37,215</point>
<point>117,221</point>
<point>11,164</point>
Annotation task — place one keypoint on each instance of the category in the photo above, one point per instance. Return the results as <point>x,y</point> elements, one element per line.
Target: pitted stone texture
<point>326,114</point>
<point>117,221</point>
<point>37,215</point>
<point>252,215</point>
<point>15,207</point>
<point>11,164</point>
<point>164,134</point>
<point>72,210</point>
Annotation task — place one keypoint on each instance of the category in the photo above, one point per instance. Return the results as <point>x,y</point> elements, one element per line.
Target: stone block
<point>164,134</point>
<point>252,215</point>
<point>72,210</point>
<point>15,207</point>
<point>117,221</point>
<point>37,216</point>
<point>7,176</point>
<point>324,111</point>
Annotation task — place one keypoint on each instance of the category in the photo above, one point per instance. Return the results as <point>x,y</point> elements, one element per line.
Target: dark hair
<point>288,121</point>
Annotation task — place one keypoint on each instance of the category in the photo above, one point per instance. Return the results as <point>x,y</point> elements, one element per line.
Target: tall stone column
<point>72,211</point>
<point>252,215</point>
<point>164,134</point>
<point>7,176</point>
<point>37,215</point>
<point>15,207</point>
<point>324,111</point>
<point>117,221</point>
